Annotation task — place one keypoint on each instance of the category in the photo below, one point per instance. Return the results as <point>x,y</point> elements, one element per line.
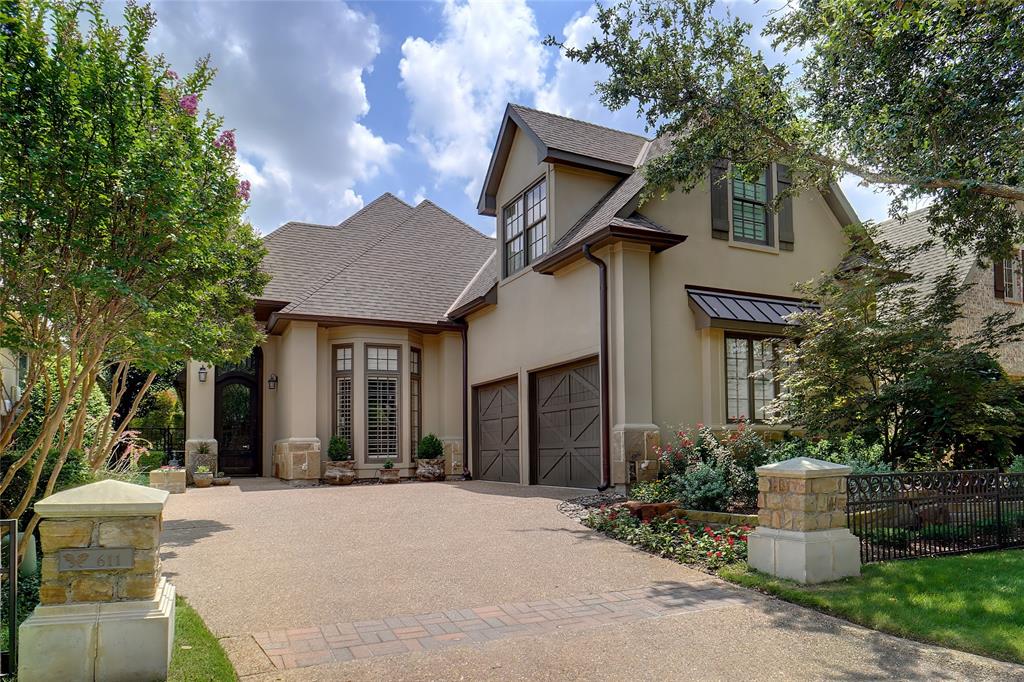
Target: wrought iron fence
<point>906,515</point>
<point>168,441</point>
<point>9,595</point>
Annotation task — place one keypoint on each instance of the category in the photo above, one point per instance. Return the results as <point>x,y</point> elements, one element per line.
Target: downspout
<point>464,329</point>
<point>606,462</point>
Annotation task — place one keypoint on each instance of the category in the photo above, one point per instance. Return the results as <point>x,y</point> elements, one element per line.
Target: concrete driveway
<point>487,581</point>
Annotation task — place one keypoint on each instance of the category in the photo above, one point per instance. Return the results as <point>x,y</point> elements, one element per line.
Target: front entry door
<point>236,418</point>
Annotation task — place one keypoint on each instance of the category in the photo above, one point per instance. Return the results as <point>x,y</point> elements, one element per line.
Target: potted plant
<point>341,469</point>
<point>221,479</point>
<point>430,458</point>
<point>389,474</point>
<point>202,476</point>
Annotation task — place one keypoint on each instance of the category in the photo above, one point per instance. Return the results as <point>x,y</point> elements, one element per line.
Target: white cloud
<point>290,81</point>
<point>488,54</point>
<point>420,195</point>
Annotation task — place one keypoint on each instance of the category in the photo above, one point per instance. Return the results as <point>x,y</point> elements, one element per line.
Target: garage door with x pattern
<point>567,432</point>
<point>497,431</point>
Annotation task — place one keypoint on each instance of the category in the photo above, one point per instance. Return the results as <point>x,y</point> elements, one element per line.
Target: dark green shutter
<point>786,210</point>
<point>720,199</point>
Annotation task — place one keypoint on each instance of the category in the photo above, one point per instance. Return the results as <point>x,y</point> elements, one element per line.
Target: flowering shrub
<point>677,539</point>
<point>189,104</point>
<point>707,471</point>
<point>652,491</point>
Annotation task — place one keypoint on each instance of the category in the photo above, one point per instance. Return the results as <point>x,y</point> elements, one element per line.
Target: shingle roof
<point>389,262</point>
<point>579,137</point>
<point>931,262</point>
<point>729,306</point>
<point>478,287</point>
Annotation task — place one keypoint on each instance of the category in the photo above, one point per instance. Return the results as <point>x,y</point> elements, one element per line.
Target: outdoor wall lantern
<point>272,382</point>
<point>202,374</point>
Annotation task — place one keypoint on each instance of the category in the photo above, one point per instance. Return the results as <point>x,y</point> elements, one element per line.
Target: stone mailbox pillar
<point>105,612</point>
<point>802,533</point>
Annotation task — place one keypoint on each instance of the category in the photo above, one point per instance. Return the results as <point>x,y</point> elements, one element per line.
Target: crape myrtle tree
<point>923,98</point>
<point>885,361</point>
<point>122,242</point>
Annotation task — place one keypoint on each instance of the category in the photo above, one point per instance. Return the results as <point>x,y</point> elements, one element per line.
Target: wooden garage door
<point>567,426</point>
<point>497,432</point>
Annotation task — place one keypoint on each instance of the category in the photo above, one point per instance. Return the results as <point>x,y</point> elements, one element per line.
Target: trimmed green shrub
<point>704,486</point>
<point>338,450</point>
<point>430,447</point>
<point>1017,465</point>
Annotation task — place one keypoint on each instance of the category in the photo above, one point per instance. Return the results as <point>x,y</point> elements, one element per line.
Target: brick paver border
<point>342,642</point>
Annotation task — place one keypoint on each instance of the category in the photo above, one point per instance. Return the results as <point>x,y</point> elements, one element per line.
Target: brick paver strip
<point>339,642</point>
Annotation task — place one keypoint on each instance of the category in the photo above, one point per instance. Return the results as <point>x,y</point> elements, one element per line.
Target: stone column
<point>200,445</point>
<point>802,533</point>
<point>105,611</point>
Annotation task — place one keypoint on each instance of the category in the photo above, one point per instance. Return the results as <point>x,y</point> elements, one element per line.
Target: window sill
<point>754,247</point>
<point>513,277</point>
<point>1010,301</point>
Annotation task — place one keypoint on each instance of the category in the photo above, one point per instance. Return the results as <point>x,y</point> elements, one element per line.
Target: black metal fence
<point>901,516</point>
<point>170,442</point>
<point>9,595</point>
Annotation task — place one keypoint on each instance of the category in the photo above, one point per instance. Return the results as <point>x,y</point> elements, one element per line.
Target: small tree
<point>430,447</point>
<point>880,360</point>
<point>338,450</point>
<point>121,235</point>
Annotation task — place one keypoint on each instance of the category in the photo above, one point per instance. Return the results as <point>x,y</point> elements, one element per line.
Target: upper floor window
<point>525,228</point>
<point>1013,287</point>
<point>750,216</point>
<point>750,384</point>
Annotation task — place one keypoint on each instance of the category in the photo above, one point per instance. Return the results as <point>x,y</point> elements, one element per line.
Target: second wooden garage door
<point>497,432</point>
<point>566,426</point>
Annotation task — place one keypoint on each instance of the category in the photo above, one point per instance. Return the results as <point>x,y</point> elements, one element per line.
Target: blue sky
<point>335,103</point>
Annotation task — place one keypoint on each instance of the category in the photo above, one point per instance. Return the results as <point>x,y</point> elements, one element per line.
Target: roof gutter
<point>466,473</point>
<point>606,462</point>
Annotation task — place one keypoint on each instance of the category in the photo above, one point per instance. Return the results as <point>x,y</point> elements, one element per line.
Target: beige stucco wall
<point>199,401</point>
<point>663,371</point>
<point>979,302</point>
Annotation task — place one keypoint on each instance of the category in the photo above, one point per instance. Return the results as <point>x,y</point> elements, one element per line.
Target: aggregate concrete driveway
<point>283,574</point>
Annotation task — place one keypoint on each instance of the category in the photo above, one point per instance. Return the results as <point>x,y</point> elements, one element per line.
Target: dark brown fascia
<point>658,241</point>
<point>334,321</point>
<point>735,292</point>
<point>478,303</point>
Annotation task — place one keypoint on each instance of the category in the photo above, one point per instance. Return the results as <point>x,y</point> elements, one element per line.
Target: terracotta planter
<point>340,473</point>
<point>222,480</point>
<point>430,469</point>
<point>389,475</point>
<point>202,480</point>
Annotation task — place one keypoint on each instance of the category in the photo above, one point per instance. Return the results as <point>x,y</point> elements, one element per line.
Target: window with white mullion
<point>414,398</point>
<point>1013,287</point>
<point>750,384</point>
<point>343,392</point>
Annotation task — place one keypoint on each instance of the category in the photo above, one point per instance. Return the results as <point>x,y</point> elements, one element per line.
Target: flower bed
<point>680,539</point>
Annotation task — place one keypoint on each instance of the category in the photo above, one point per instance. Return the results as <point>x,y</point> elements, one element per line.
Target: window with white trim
<point>382,377</point>
<point>750,216</point>
<point>1012,284</point>
<point>750,384</point>
<point>525,228</point>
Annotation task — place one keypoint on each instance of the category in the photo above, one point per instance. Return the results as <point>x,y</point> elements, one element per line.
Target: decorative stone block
<point>297,459</point>
<point>105,613</point>
<point>194,458</point>
<point>802,532</point>
<point>454,462</point>
<point>171,480</point>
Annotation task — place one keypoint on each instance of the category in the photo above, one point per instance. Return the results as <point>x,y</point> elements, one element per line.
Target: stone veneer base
<point>112,642</point>
<point>806,557</point>
<point>297,459</point>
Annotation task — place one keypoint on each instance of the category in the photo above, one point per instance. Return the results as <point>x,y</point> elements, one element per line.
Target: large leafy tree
<point>881,360</point>
<point>924,98</point>
<point>122,242</point>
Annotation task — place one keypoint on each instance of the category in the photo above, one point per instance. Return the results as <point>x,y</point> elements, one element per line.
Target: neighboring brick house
<point>558,353</point>
<point>991,290</point>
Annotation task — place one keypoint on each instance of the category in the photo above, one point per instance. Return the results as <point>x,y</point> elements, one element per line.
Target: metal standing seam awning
<point>738,311</point>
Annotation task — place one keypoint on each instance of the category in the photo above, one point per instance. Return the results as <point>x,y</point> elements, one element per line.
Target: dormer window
<point>526,228</point>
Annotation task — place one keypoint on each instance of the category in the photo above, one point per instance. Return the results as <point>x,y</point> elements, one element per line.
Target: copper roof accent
<point>741,311</point>
<point>390,262</point>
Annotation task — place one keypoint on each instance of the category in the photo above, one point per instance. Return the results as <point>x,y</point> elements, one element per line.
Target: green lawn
<point>197,654</point>
<point>973,602</point>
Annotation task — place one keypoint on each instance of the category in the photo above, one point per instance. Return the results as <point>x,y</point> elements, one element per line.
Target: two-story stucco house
<point>989,289</point>
<point>557,353</point>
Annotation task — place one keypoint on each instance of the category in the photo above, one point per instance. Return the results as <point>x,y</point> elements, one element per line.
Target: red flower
<point>718,554</point>
<point>646,522</point>
<point>732,541</point>
<point>743,538</point>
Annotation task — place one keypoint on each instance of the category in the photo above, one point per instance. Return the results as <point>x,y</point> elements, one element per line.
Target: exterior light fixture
<point>202,374</point>
<point>272,382</point>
